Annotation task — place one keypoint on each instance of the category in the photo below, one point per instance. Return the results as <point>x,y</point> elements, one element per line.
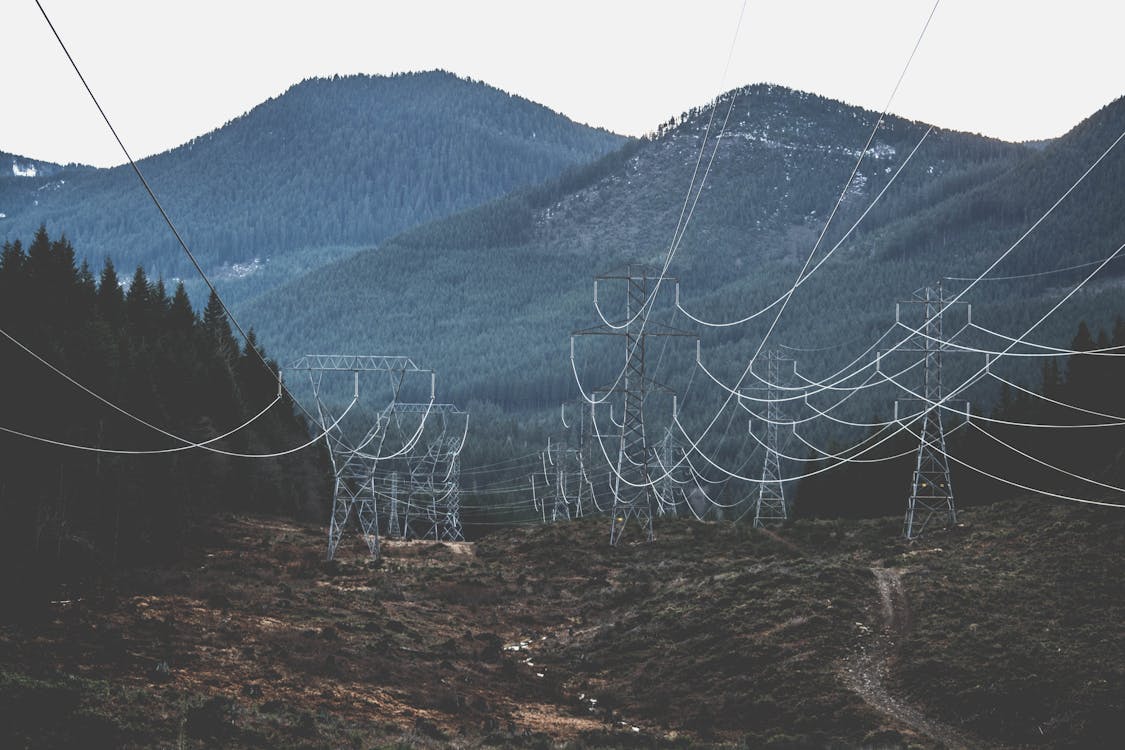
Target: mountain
<point>328,166</point>
<point>490,296</point>
<point>14,168</point>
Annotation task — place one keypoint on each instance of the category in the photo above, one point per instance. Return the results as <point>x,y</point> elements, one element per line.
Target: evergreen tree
<point>111,300</point>
<point>218,328</point>
<point>156,359</point>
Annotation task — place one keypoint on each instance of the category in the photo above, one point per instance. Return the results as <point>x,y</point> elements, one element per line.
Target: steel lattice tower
<point>931,490</point>
<point>770,505</point>
<point>353,463</point>
<point>394,527</point>
<point>436,476</point>
<point>451,526</point>
<point>632,459</point>
<point>432,469</point>
<point>670,451</point>
<point>354,488</point>
<point>557,478</point>
<point>427,472</point>
<point>633,495</point>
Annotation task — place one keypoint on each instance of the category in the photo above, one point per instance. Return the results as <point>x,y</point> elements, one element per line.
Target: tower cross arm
<point>355,362</point>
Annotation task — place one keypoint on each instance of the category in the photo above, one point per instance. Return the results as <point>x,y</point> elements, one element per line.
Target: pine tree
<point>181,318</point>
<point>1081,371</point>
<point>111,300</point>
<point>155,358</point>
<point>218,328</point>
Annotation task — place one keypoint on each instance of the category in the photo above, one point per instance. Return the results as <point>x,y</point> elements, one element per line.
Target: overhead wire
<point>164,214</point>
<point>212,449</point>
<point>843,193</point>
<point>1028,275</point>
<point>1041,462</point>
<point>1105,351</point>
<point>1050,210</point>
<point>1050,400</point>
<point>1020,485</point>
<point>803,277</point>
<point>1054,351</point>
<point>681,224</point>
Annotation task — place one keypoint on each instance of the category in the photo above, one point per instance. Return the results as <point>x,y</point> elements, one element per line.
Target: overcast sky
<point>170,70</point>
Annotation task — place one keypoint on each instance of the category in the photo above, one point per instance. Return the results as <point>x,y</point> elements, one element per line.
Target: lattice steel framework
<point>353,462</point>
<point>633,493</point>
<point>451,530</point>
<point>434,474</point>
<point>394,525</point>
<point>671,496</point>
<point>579,450</point>
<point>931,490</point>
<point>556,476</point>
<point>770,505</point>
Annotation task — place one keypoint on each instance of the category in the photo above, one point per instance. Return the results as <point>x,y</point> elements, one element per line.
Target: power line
<point>1041,462</point>
<point>803,277</point>
<point>695,443</point>
<point>1025,487</point>
<point>156,202</point>
<point>1053,351</point>
<point>1029,275</point>
<point>187,444</point>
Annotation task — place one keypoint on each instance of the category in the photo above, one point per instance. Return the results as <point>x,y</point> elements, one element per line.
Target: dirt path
<point>868,672</point>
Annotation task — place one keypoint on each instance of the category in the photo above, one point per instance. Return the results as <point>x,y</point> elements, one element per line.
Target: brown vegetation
<point>542,637</point>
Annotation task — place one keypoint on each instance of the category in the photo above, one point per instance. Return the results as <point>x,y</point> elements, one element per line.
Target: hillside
<point>489,297</point>
<point>328,166</point>
<point>14,168</point>
<point>1003,632</point>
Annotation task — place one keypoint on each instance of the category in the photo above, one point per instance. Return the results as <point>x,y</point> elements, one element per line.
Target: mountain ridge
<point>328,165</point>
<point>491,294</point>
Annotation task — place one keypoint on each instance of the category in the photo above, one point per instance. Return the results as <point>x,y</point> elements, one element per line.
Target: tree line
<point>1068,385</point>
<point>67,510</point>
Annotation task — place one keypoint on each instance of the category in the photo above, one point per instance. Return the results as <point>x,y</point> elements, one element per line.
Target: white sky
<point>167,70</point>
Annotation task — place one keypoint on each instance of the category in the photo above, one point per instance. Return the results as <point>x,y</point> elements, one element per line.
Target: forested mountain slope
<point>85,487</point>
<point>14,168</point>
<point>327,166</point>
<point>490,296</point>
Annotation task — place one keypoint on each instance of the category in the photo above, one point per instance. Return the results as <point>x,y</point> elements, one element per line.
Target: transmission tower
<point>632,486</point>
<point>434,471</point>
<point>770,505</point>
<point>394,526</point>
<point>429,485</point>
<point>451,523</point>
<point>931,490</point>
<point>581,455</point>
<point>672,494</point>
<point>555,478</point>
<point>353,462</point>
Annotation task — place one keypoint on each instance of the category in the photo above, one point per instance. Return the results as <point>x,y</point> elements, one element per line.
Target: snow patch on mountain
<point>232,271</point>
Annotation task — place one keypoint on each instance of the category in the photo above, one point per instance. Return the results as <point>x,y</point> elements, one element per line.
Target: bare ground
<point>868,672</point>
<point>529,637</point>
<point>715,635</point>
